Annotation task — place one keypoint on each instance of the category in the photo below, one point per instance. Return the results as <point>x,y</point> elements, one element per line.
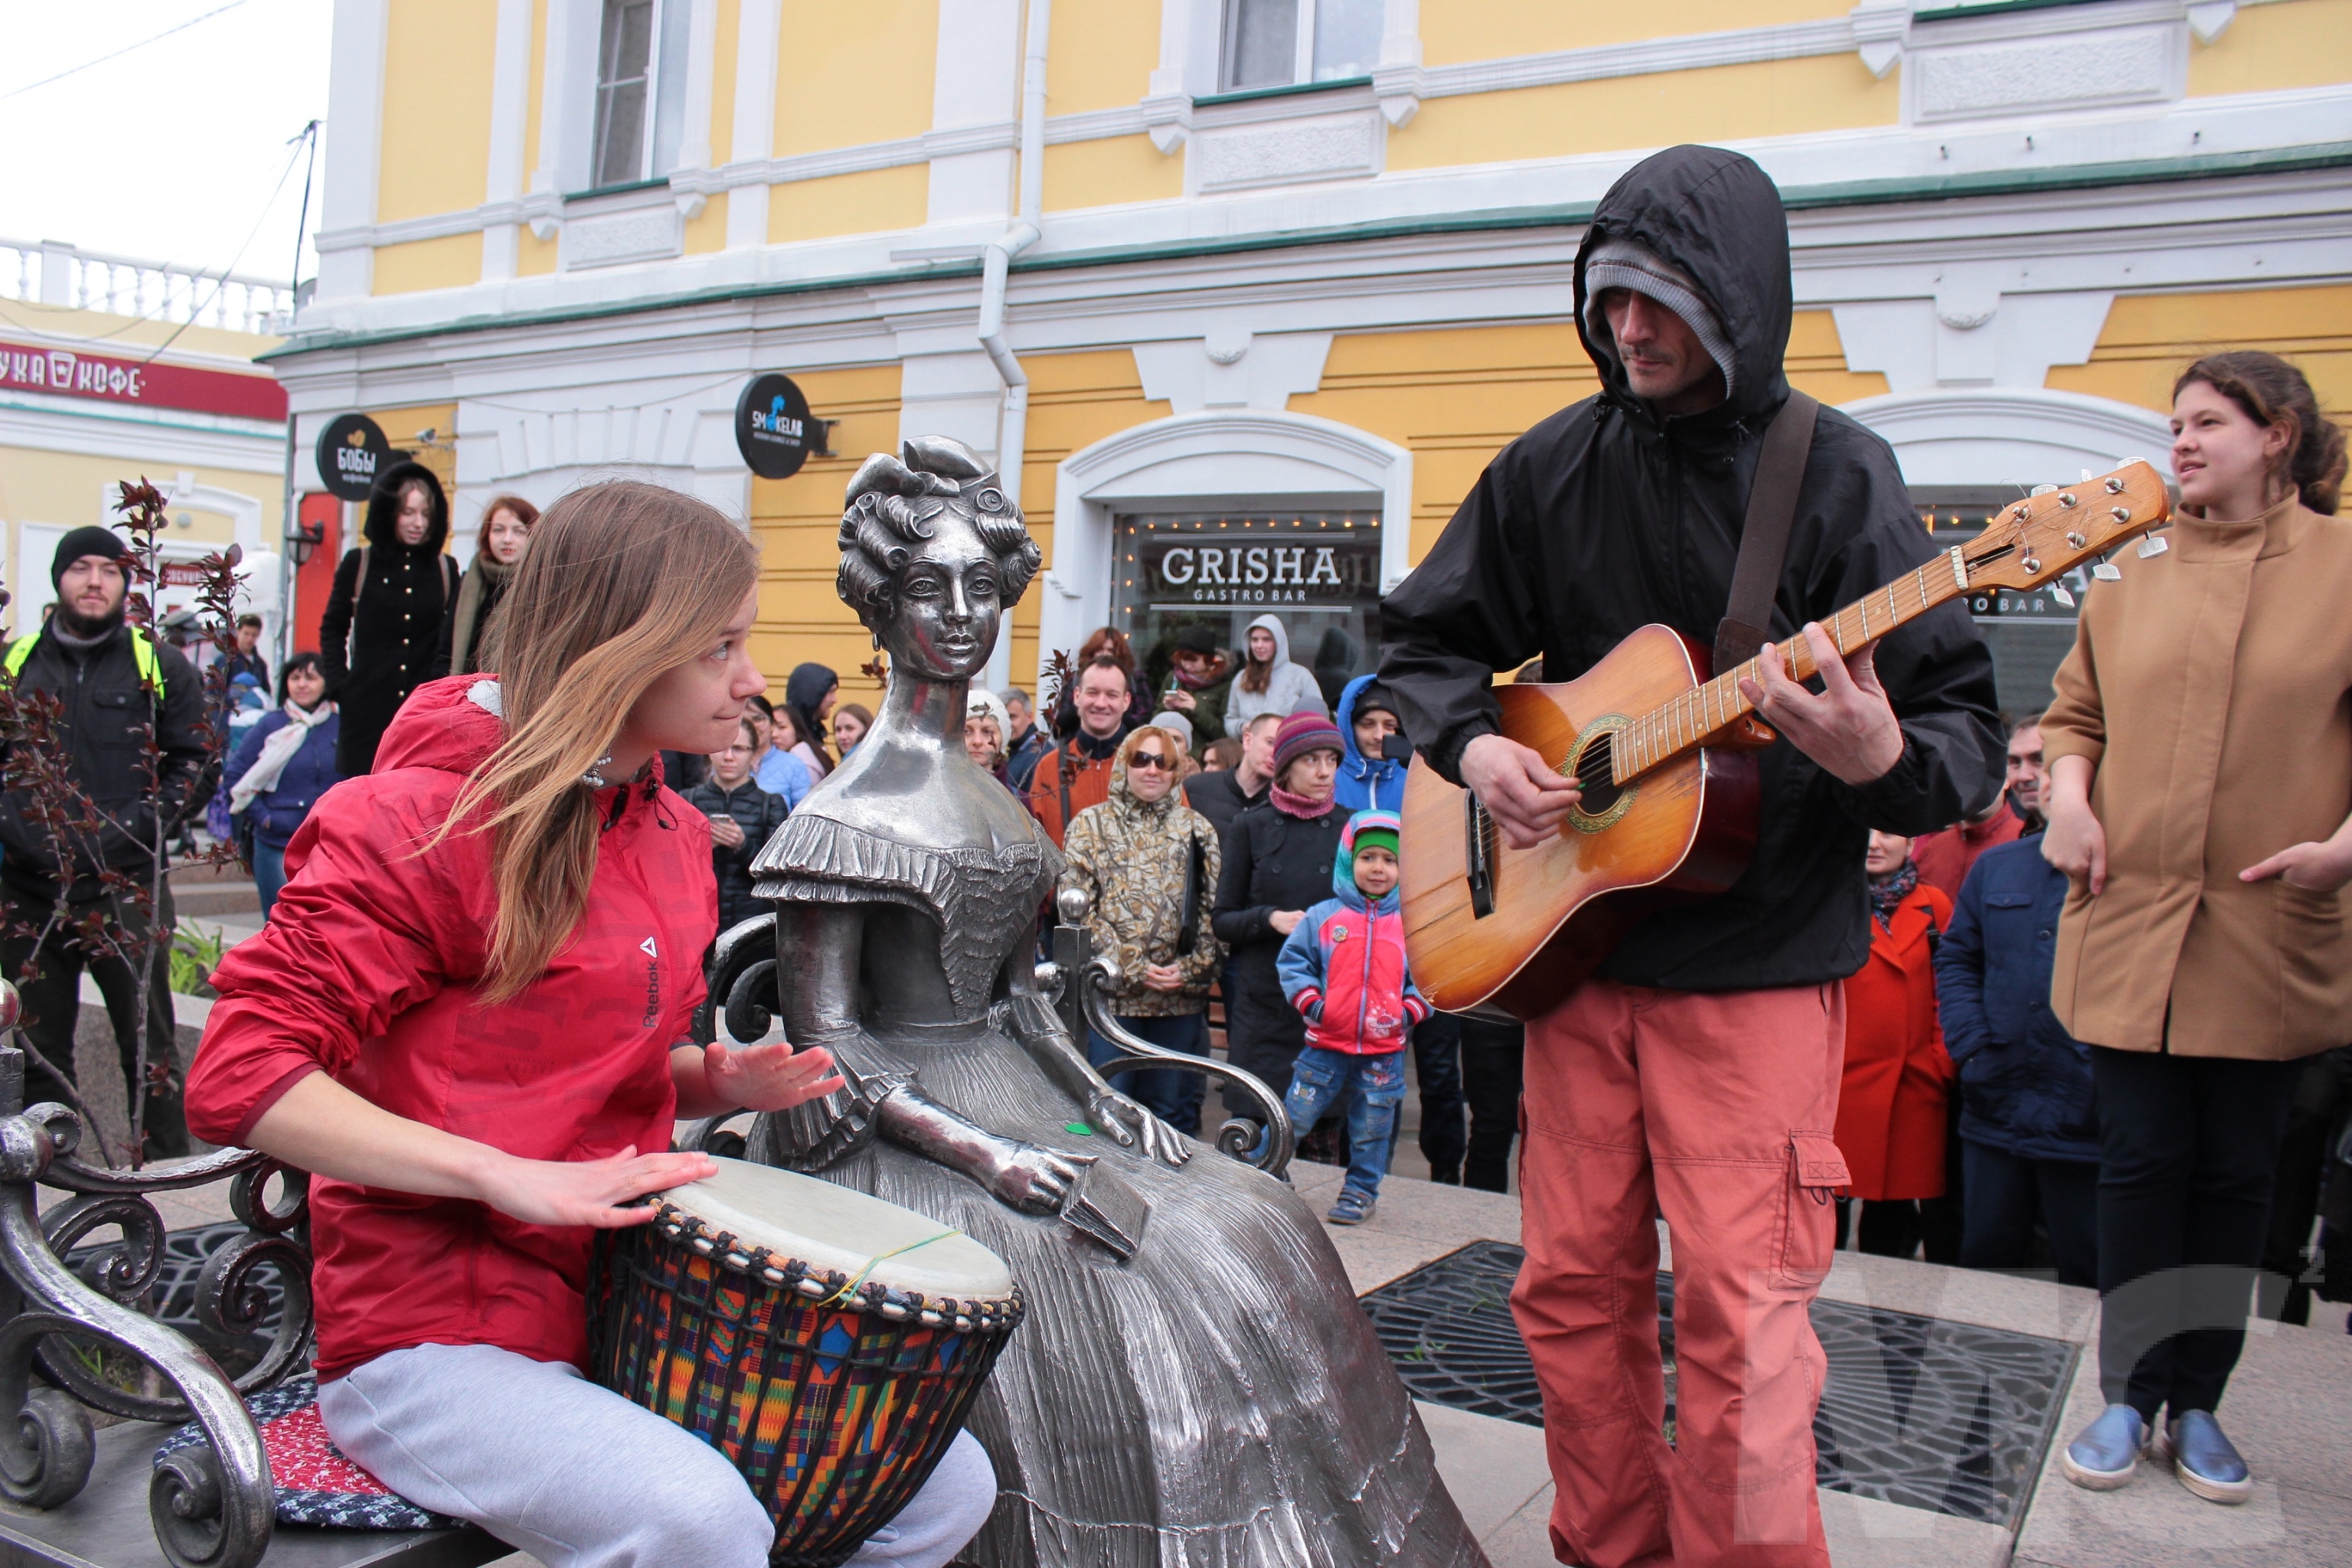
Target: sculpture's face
<point>946,604</point>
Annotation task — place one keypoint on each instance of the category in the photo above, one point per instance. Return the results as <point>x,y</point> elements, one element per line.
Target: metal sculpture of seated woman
<point>1194,1384</point>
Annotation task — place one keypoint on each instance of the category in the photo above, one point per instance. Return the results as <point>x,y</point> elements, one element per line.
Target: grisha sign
<point>352,453</point>
<point>1276,571</point>
<point>774,429</point>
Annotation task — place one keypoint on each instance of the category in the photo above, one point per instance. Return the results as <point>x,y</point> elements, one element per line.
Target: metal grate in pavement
<point>1951,1417</point>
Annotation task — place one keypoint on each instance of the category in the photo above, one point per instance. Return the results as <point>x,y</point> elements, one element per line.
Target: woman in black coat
<point>382,629</point>
<point>1277,861</point>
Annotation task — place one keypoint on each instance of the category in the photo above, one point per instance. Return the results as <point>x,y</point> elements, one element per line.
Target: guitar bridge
<point>1478,831</point>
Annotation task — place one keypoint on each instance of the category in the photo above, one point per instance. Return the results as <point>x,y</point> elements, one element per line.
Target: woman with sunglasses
<point>1148,864</point>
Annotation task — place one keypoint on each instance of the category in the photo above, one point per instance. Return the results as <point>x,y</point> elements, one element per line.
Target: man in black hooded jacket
<point>1696,1076</point>
<point>116,688</point>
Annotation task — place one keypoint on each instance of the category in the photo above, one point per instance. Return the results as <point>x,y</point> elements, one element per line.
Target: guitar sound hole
<point>1594,781</point>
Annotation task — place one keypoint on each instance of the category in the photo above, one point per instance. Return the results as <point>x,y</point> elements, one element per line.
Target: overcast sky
<point>171,152</point>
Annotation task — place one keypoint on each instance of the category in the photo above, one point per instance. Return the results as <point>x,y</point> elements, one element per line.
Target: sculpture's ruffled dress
<point>1218,1400</point>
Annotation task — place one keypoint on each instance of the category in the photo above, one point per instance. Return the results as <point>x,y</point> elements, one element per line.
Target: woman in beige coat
<point>2201,782</point>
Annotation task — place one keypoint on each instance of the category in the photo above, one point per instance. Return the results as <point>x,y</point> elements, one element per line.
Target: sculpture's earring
<point>877,642</point>
<point>594,778</point>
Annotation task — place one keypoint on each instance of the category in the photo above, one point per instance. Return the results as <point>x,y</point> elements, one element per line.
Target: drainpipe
<point>1013,425</point>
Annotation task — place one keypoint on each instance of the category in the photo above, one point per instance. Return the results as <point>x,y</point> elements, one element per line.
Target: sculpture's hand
<point>1126,1121</point>
<point>1033,1180</point>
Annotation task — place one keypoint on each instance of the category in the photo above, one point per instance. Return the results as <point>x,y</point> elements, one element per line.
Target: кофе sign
<point>1309,570</point>
<point>352,453</point>
<point>774,429</point>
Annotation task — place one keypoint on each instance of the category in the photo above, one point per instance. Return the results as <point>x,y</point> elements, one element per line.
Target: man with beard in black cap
<point>115,685</point>
<point>1695,1076</point>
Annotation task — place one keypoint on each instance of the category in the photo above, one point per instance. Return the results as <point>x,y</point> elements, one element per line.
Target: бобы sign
<point>352,453</point>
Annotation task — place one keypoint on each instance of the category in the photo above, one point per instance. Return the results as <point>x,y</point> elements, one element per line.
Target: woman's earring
<point>594,778</point>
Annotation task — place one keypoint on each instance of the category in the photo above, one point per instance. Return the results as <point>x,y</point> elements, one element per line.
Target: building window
<point>640,89</point>
<point>1282,43</point>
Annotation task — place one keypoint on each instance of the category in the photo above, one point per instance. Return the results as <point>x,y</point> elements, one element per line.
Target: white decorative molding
<point>607,240</point>
<point>975,99</point>
<point>758,33</point>
<point>1970,333</point>
<point>1232,368</point>
<point>509,109</point>
<point>1294,152</point>
<point>354,142</point>
<point>2011,436</point>
<point>1878,28</point>
<point>1396,81</point>
<point>2208,19</point>
<point>1213,459</point>
<point>2080,70</point>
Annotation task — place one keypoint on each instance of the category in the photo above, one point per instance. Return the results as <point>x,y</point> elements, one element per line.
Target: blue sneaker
<point>2206,1461</point>
<point>2104,1456</point>
<point>1352,1207</point>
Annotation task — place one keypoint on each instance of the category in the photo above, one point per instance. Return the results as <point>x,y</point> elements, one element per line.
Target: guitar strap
<point>1764,538</point>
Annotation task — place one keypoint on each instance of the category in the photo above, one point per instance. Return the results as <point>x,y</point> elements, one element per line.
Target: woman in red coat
<point>1897,1085</point>
<point>467,1020</point>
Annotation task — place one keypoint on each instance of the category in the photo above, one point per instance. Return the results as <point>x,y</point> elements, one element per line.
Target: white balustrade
<point>61,275</point>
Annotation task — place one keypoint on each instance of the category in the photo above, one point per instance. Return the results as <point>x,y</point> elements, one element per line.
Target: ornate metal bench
<point>81,1492</point>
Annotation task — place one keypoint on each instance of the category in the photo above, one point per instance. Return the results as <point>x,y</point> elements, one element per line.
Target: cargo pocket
<point>1808,1220</point>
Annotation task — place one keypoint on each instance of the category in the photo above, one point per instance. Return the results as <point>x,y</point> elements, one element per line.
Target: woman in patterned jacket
<point>1147,864</point>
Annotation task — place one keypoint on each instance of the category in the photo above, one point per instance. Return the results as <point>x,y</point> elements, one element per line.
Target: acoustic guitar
<point>1664,760</point>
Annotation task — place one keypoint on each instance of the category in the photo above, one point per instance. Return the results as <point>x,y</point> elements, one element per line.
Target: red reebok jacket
<point>367,970</point>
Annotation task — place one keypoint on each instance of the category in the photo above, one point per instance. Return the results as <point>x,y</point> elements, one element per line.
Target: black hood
<point>381,529</point>
<point>1718,217</point>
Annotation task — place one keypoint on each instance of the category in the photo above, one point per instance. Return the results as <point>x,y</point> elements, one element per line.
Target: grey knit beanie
<point>1623,264</point>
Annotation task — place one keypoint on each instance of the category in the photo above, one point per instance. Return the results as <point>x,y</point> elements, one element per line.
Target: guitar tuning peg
<point>2151,544</point>
<point>2088,476</point>
<point>2058,591</point>
<point>2107,572</point>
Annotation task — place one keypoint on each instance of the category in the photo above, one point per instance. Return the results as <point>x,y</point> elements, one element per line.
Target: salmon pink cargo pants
<point>1715,1110</point>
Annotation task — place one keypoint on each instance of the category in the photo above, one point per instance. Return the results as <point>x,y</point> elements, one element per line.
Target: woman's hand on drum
<point>597,1193</point>
<point>1126,1121</point>
<point>773,1076</point>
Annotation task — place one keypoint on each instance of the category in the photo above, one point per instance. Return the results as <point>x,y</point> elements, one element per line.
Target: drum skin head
<point>833,1227</point>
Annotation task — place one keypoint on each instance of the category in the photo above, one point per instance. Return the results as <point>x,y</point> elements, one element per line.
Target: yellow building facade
<point>113,370</point>
<point>1289,271</point>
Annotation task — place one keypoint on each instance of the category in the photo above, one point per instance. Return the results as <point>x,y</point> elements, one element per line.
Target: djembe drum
<point>828,1342</point>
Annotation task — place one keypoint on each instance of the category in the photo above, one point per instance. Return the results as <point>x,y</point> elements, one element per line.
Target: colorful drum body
<point>828,1342</point>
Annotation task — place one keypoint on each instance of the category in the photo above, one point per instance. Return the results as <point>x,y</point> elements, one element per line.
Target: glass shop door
<point>1320,571</point>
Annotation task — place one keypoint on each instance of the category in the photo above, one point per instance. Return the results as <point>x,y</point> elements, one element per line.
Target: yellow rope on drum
<point>846,1292</point>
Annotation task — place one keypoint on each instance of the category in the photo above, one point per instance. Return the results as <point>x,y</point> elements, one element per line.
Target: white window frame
<point>1227,15</point>
<point>667,65</point>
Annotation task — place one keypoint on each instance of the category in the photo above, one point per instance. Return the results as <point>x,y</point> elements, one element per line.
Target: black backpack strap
<point>1196,869</point>
<point>1062,777</point>
<point>1764,538</point>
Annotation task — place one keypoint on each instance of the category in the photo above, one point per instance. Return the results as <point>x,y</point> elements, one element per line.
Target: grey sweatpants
<point>579,1477</point>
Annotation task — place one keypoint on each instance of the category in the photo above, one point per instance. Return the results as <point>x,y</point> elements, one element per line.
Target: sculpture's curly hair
<point>893,503</point>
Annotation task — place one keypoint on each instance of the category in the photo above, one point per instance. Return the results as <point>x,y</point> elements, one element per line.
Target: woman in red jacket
<point>1897,1081</point>
<point>465,1020</point>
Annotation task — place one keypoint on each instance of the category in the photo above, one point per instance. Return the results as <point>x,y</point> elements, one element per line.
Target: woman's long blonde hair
<point>622,582</point>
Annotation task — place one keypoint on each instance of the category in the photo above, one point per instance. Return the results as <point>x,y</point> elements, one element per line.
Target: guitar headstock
<point>2031,541</point>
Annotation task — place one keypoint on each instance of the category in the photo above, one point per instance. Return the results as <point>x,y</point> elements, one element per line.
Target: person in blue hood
<point>1368,780</point>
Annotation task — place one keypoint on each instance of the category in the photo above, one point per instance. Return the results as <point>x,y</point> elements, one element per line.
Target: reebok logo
<point>653,984</point>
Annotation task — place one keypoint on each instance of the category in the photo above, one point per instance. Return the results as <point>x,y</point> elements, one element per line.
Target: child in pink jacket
<point>1344,968</point>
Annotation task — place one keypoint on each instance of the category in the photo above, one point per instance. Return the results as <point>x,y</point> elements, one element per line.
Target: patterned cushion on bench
<point>316,1483</point>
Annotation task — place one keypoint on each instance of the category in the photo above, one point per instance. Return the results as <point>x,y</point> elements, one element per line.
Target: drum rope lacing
<point>846,1292</point>
<point>777,1268</point>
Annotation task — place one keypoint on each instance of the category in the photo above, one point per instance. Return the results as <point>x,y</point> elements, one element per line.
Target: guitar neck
<point>1698,714</point>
